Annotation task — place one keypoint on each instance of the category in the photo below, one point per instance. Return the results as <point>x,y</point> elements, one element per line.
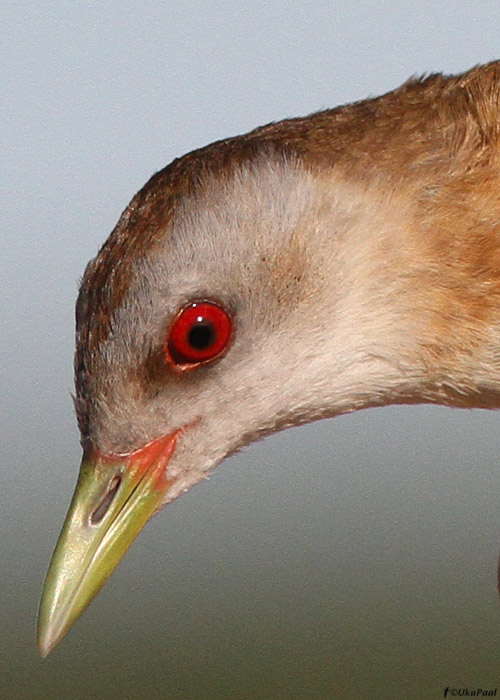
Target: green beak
<point>114,498</point>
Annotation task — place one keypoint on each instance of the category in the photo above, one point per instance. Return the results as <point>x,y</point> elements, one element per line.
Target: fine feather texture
<point>357,248</point>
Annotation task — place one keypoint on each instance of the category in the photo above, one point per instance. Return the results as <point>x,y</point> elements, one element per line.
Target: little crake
<point>309,268</point>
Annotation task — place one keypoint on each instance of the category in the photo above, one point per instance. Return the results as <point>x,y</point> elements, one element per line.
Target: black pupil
<point>202,335</point>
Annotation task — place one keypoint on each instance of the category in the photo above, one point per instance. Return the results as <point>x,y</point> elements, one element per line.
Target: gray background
<point>353,558</point>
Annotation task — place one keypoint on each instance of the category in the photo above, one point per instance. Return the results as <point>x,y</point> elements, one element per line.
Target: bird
<point>309,268</point>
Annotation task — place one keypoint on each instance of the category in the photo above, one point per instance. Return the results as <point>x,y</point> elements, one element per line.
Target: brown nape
<point>437,135</point>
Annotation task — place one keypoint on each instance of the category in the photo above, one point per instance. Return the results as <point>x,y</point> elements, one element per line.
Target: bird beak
<point>114,498</point>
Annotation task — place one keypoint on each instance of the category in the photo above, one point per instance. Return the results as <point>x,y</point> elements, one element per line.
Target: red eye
<point>199,333</point>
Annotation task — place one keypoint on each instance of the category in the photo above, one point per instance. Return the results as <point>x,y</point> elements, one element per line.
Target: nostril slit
<point>103,506</point>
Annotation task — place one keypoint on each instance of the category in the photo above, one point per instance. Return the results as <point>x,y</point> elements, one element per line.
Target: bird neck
<point>414,287</point>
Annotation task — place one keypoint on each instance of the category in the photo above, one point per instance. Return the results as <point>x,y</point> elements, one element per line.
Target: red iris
<point>199,333</point>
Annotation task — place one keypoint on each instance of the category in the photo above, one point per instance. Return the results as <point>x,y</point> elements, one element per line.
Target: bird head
<point>207,321</point>
<point>259,283</point>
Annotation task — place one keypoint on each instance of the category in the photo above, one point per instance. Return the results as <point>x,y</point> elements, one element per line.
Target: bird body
<point>354,256</point>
